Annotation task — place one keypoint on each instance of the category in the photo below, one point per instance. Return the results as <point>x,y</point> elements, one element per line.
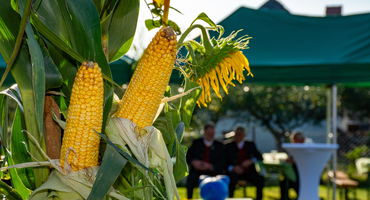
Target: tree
<point>278,109</point>
<point>354,102</point>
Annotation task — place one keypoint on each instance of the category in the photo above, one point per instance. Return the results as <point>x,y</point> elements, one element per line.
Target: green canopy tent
<point>121,70</point>
<point>9,79</point>
<point>292,49</point>
<point>288,49</point>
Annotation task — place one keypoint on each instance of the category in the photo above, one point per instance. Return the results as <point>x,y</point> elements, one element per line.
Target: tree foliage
<point>354,102</point>
<point>278,109</point>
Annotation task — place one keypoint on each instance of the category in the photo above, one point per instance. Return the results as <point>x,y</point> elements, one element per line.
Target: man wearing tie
<point>204,157</point>
<point>240,158</point>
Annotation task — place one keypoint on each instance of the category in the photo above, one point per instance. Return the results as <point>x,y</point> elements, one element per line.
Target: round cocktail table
<point>310,160</point>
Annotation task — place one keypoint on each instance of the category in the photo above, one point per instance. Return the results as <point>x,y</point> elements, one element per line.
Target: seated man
<point>297,137</point>
<point>204,157</point>
<point>240,158</point>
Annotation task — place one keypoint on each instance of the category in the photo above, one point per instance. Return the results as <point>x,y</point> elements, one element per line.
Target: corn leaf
<point>123,186</point>
<point>161,124</point>
<point>86,30</point>
<point>66,65</point>
<point>16,181</point>
<point>58,39</point>
<point>180,131</point>
<point>38,72</point>
<point>99,4</point>
<point>48,33</point>
<point>53,78</point>
<point>189,101</point>
<point>180,169</point>
<point>9,192</point>
<point>19,149</point>
<point>175,27</point>
<point>18,41</point>
<point>172,120</point>
<point>173,136</point>
<point>52,14</point>
<point>14,93</point>
<point>4,121</point>
<point>22,73</point>
<point>162,189</point>
<point>152,24</point>
<point>205,18</point>
<point>122,28</point>
<point>107,174</point>
<point>126,155</point>
<point>107,9</point>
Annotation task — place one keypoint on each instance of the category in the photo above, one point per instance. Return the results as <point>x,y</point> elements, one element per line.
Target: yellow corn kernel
<point>85,114</point>
<point>147,86</point>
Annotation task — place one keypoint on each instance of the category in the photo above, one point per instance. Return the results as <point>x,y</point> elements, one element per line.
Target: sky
<point>218,10</point>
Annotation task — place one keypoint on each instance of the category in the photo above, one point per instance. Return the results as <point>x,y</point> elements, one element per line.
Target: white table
<point>310,160</point>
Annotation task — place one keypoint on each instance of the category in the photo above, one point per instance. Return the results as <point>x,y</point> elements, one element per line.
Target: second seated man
<point>240,157</point>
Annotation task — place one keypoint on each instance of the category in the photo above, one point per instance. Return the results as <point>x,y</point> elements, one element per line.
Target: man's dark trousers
<point>251,177</point>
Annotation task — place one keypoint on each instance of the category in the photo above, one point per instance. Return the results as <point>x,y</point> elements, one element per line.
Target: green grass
<point>273,193</point>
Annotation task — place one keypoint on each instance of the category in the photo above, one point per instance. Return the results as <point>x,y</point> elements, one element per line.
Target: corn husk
<point>123,131</point>
<point>75,185</point>
<point>62,184</point>
<point>147,145</point>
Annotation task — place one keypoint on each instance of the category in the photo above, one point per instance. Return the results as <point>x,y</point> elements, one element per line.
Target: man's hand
<point>197,164</point>
<point>201,165</point>
<point>237,169</point>
<point>207,166</point>
<point>247,163</point>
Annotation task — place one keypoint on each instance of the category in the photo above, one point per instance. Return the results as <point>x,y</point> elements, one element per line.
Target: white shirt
<point>241,144</point>
<point>208,143</point>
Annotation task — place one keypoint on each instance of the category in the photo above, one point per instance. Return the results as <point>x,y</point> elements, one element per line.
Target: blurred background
<point>270,113</point>
<point>300,107</point>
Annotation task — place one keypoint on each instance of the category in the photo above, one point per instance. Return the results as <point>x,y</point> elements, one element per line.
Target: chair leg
<point>245,191</point>
<point>346,193</point>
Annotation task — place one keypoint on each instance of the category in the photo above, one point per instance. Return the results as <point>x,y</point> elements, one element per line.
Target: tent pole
<point>334,128</point>
<point>328,138</point>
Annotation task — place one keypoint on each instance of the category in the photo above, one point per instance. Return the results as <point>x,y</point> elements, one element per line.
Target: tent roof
<point>292,49</point>
<point>289,49</point>
<point>273,5</point>
<point>121,70</point>
<point>9,80</point>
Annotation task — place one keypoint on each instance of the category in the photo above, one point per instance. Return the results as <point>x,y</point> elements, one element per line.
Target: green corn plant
<point>62,49</point>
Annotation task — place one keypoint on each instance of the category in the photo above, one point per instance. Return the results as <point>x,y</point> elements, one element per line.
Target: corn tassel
<point>85,114</point>
<point>145,91</point>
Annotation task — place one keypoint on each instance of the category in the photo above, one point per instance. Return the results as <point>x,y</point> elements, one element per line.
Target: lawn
<point>273,193</point>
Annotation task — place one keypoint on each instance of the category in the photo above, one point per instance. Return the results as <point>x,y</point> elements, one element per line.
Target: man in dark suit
<point>240,158</point>
<point>204,157</point>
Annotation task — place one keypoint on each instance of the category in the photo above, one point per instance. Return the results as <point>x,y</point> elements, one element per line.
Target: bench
<point>344,183</point>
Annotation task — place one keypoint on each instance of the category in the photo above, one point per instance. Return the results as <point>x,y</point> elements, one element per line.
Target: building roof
<point>273,5</point>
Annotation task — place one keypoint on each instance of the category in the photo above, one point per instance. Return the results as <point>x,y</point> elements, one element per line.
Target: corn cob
<point>85,114</point>
<point>145,91</point>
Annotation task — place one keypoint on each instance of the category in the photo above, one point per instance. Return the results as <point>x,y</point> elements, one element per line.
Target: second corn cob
<point>145,91</point>
<point>85,114</point>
